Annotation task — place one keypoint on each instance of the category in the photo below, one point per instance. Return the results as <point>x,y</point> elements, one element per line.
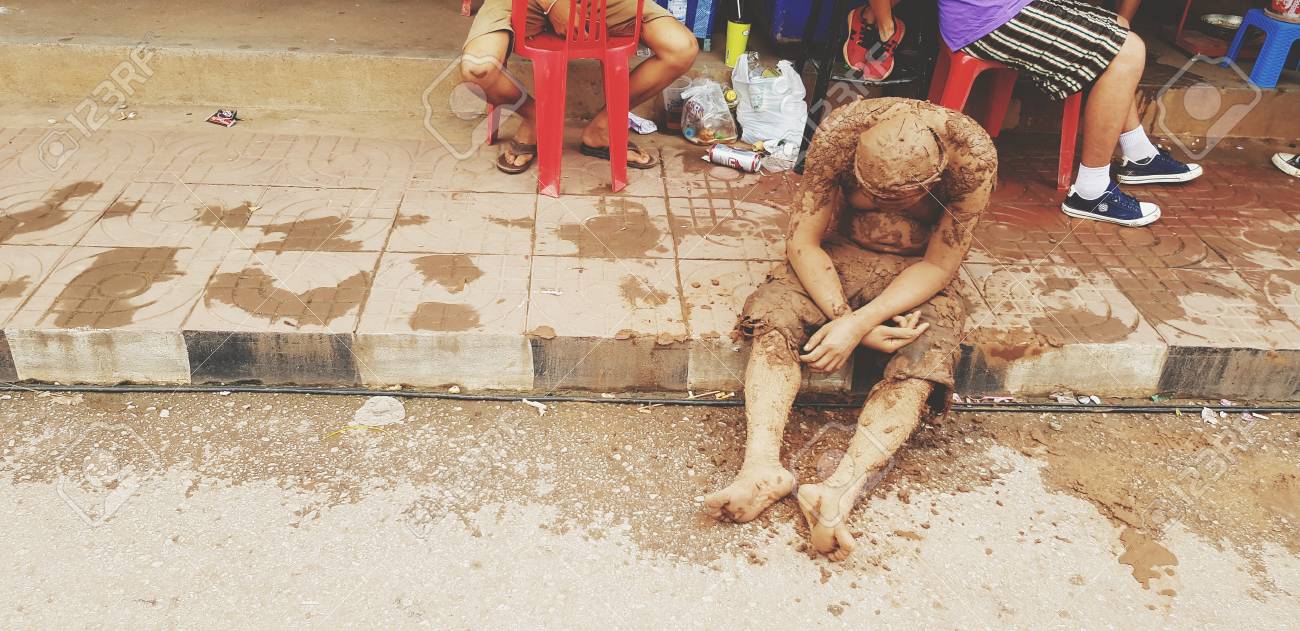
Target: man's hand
<point>833,344</point>
<point>889,339</point>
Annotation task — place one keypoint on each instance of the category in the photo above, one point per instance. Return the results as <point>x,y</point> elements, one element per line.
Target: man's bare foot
<point>827,518</point>
<point>754,490</point>
<point>524,135</point>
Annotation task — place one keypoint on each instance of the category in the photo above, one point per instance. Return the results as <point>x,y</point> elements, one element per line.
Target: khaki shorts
<point>782,304</point>
<point>494,16</point>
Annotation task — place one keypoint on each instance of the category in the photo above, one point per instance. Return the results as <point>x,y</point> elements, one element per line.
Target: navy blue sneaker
<point>1161,168</point>
<point>1115,206</point>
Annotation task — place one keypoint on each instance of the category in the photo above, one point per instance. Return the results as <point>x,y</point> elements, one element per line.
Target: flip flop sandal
<point>506,165</point>
<point>603,154</point>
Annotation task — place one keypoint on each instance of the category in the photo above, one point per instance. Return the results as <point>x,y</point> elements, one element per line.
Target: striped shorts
<point>1064,45</point>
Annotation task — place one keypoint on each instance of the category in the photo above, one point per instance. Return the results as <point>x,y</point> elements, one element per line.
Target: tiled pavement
<point>225,255</point>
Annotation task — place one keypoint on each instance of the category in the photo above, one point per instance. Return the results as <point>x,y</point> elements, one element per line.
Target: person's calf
<point>771,382</point>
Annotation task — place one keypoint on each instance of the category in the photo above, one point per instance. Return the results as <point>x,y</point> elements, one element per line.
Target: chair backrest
<point>587,26</point>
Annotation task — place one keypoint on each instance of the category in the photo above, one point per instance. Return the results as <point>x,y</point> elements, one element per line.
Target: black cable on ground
<point>704,402</point>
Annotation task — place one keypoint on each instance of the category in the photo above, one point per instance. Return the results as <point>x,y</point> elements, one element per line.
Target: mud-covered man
<point>891,192</point>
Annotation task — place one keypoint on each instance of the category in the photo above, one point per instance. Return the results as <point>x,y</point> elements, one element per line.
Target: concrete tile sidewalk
<point>225,255</point>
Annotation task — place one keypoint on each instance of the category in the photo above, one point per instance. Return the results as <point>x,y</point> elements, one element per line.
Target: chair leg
<point>1004,82</point>
<point>1272,58</point>
<point>957,87</point>
<point>1069,138</point>
<point>550,73</point>
<point>493,123</point>
<point>1237,39</point>
<point>616,106</point>
<point>940,76</point>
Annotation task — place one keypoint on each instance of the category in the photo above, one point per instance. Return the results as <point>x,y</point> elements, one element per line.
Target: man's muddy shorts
<point>782,304</point>
<point>494,16</point>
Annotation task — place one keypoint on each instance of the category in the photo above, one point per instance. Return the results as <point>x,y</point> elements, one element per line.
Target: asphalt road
<point>208,511</point>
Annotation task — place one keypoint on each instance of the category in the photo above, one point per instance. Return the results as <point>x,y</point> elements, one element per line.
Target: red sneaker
<point>864,50</point>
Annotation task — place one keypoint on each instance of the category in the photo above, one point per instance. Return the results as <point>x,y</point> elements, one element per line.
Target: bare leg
<point>482,64</point>
<point>1111,107</point>
<point>1127,9</point>
<point>1132,121</point>
<point>881,14</point>
<point>674,49</point>
<point>889,417</point>
<point>771,383</point>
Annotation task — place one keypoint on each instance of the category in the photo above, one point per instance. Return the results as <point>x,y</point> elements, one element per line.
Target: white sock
<point>1092,181</point>
<point>1136,146</point>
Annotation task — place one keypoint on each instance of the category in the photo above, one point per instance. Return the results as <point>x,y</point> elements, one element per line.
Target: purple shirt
<point>964,21</point>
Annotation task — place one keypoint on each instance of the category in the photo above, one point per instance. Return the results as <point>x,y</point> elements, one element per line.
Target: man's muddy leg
<point>771,382</point>
<point>890,415</point>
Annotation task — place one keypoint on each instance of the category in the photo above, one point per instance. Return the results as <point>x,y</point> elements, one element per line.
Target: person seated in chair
<point>491,37</point>
<point>1067,46</point>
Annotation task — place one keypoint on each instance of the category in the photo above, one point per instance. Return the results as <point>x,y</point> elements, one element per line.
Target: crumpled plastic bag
<point>769,108</point>
<point>706,119</point>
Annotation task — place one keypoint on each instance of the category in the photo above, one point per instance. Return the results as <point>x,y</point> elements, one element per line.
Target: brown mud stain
<point>411,220</point>
<point>452,271</point>
<point>1065,326</point>
<point>219,217</point>
<point>1056,283</point>
<point>48,213</point>
<point>1281,494</point>
<point>444,316</point>
<point>525,223</point>
<point>254,291</point>
<point>545,332</point>
<point>122,208</point>
<point>668,339</point>
<point>1003,347</point>
<point>1144,472</point>
<point>909,535</point>
<point>1145,555</point>
<point>638,293</point>
<point>767,228</point>
<point>15,287</point>
<point>103,295</point>
<point>625,232</point>
<point>322,234</point>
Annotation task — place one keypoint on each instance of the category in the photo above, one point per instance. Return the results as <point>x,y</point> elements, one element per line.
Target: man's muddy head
<point>899,158</point>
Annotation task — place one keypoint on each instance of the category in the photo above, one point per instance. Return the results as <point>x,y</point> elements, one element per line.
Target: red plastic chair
<point>954,75</point>
<point>587,38</point>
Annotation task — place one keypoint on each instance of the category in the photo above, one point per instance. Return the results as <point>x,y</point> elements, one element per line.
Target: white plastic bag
<point>706,119</point>
<point>769,108</point>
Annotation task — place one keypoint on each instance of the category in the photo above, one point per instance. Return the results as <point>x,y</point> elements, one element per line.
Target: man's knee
<point>481,61</point>
<point>1134,52</point>
<point>675,46</point>
<point>1132,57</point>
<point>479,70</point>
<point>774,345</point>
